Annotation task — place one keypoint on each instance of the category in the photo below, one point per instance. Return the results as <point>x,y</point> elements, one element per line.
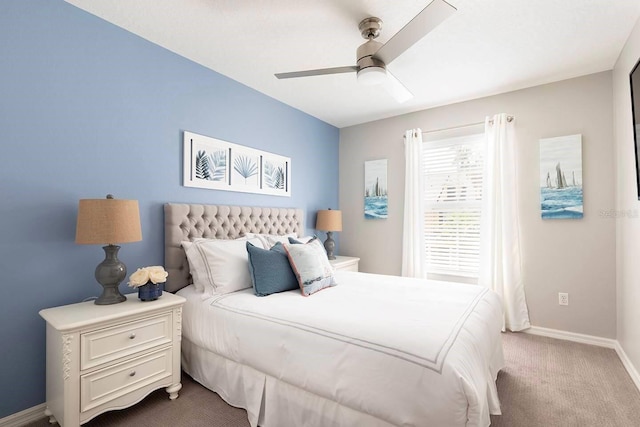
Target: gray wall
<point>628,221</point>
<point>574,256</point>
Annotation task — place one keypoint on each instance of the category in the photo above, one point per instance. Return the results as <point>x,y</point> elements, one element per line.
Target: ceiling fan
<point>373,57</point>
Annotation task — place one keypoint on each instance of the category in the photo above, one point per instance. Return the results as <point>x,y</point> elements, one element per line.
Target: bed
<point>372,351</point>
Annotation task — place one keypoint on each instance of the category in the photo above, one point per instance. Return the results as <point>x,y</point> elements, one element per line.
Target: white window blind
<point>453,197</point>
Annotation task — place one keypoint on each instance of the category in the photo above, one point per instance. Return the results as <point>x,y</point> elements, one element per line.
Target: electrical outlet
<point>563,298</point>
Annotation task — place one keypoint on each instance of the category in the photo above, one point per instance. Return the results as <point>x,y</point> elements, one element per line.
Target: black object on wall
<point>634,79</point>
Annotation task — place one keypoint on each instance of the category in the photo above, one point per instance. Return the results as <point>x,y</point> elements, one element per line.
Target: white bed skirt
<point>269,401</point>
<point>274,403</point>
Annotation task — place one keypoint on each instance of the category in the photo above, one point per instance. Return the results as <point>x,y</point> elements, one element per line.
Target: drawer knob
<point>132,336</point>
<point>132,373</point>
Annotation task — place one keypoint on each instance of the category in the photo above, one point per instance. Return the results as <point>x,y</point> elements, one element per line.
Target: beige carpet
<point>550,382</point>
<point>547,383</point>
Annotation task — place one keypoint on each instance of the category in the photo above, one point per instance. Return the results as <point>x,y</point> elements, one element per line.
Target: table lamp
<point>108,221</point>
<point>329,221</point>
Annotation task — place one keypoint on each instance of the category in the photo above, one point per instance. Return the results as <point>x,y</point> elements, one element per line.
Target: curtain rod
<point>509,119</point>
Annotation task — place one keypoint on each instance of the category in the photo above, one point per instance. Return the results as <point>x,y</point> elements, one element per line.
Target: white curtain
<point>500,263</point>
<point>413,248</point>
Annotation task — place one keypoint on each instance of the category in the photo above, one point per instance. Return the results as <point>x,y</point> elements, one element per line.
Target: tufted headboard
<point>186,222</point>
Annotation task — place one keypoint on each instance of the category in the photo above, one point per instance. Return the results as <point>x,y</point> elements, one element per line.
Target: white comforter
<point>404,351</point>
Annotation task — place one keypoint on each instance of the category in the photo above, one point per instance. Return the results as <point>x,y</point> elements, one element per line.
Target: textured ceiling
<point>486,47</point>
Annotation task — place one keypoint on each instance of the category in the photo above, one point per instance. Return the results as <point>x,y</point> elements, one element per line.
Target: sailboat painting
<point>375,189</point>
<point>561,177</point>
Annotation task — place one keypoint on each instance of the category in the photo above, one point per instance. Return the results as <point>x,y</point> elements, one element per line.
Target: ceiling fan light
<point>372,76</point>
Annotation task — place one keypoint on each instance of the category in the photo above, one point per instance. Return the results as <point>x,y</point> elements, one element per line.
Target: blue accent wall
<point>86,109</point>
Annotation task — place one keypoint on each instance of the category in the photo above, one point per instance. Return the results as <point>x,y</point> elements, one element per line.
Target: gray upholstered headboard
<point>186,222</point>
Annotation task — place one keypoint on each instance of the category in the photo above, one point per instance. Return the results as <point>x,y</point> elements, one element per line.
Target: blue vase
<point>150,291</point>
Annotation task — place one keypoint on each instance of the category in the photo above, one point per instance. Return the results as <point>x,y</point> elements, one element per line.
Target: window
<point>453,196</point>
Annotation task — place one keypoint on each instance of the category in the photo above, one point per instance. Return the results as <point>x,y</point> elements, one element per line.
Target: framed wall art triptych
<point>220,165</point>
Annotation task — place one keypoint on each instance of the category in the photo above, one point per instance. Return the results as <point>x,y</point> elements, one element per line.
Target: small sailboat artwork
<point>560,156</point>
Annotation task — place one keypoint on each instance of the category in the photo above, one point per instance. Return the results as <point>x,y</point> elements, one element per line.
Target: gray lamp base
<point>109,273</point>
<point>330,246</point>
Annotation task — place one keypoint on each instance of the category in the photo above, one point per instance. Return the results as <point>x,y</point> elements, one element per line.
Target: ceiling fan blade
<point>319,72</point>
<point>396,89</point>
<point>430,17</point>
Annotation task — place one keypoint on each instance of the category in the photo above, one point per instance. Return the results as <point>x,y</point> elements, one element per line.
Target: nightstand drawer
<point>109,344</point>
<point>102,386</point>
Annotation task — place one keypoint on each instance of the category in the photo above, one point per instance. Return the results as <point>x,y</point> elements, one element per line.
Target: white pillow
<point>219,266</point>
<point>268,240</point>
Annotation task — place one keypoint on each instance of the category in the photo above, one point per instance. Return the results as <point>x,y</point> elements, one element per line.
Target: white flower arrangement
<point>154,274</point>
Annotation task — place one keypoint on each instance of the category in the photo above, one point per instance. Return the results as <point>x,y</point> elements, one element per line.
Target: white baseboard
<point>24,417</point>
<point>633,373</point>
<point>572,336</point>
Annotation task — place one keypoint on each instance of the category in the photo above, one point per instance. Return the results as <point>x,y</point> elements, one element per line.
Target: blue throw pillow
<point>270,270</point>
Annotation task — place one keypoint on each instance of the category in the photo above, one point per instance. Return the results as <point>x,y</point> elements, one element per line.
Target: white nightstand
<point>103,357</point>
<point>345,263</point>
